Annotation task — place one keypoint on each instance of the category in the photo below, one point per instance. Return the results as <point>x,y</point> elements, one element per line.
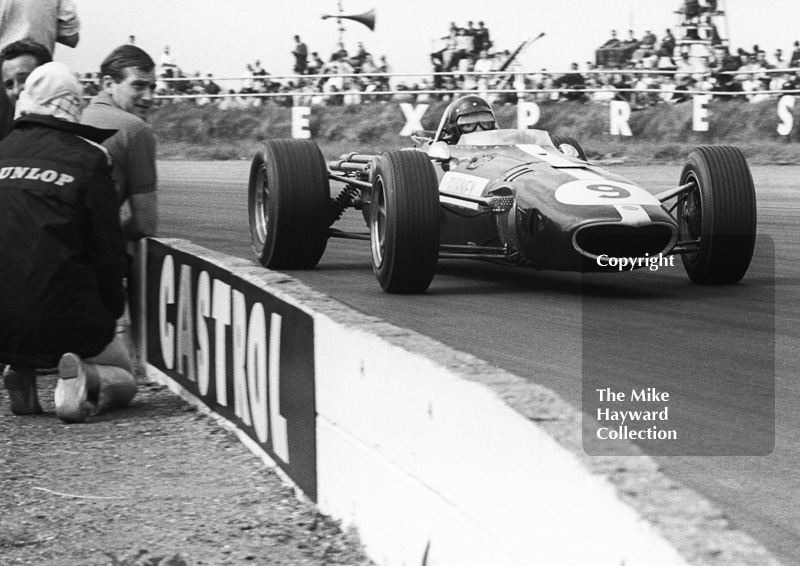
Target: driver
<point>466,115</point>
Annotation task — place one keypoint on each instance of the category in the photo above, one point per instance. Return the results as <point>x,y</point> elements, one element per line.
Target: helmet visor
<point>477,120</point>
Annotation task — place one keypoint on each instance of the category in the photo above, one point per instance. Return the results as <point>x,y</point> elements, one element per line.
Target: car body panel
<point>565,213</point>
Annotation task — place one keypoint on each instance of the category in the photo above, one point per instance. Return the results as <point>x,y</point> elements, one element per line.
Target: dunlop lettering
<point>36,174</point>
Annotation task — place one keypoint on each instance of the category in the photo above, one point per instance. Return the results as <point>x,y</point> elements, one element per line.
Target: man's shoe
<point>22,393</point>
<point>71,394</point>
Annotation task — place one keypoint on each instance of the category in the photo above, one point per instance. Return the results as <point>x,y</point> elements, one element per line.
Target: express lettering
<point>255,349</point>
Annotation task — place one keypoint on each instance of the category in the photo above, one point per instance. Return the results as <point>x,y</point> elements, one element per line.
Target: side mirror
<point>439,151</point>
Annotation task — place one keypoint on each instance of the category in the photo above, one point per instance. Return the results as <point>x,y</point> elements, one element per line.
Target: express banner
<point>247,355</point>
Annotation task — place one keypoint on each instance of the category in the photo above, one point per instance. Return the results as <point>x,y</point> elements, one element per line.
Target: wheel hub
<point>262,201</point>
<point>377,225</point>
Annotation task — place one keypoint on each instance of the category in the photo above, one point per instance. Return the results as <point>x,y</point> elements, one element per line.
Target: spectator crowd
<point>641,69</point>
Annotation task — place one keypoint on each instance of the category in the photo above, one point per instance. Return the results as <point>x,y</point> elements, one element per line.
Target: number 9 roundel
<point>601,192</point>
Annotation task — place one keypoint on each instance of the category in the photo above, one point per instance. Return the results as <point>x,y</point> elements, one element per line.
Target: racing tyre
<point>720,211</point>
<point>404,222</point>
<point>287,205</point>
<point>558,141</point>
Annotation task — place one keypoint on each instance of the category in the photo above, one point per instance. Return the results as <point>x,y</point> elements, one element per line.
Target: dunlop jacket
<point>62,255</point>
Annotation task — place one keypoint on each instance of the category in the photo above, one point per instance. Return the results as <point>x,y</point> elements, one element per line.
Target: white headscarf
<point>53,90</point>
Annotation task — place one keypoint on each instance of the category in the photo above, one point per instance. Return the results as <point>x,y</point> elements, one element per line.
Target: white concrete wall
<point>433,457</point>
<point>414,456</point>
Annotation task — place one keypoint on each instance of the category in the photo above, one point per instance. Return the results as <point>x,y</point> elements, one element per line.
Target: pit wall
<point>433,456</point>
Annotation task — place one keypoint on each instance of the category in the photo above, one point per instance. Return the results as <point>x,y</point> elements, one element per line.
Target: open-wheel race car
<point>517,197</point>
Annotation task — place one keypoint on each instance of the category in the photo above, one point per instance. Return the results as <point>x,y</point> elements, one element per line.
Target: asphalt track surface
<point>637,329</point>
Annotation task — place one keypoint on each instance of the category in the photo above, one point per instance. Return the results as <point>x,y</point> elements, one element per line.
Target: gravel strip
<point>155,484</point>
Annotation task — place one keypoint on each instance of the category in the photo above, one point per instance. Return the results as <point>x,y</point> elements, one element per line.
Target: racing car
<point>519,197</point>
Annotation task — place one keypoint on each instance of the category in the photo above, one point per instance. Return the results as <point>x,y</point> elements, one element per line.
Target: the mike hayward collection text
<point>626,423</point>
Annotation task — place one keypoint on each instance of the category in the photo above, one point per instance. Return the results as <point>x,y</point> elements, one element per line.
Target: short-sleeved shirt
<point>133,147</point>
<point>42,21</point>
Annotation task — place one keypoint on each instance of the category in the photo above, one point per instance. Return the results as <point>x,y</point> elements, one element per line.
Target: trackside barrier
<point>435,457</point>
<point>529,113</point>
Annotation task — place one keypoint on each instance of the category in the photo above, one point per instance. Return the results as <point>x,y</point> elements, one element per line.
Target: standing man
<point>45,22</point>
<point>127,78</point>
<point>300,56</point>
<point>128,81</point>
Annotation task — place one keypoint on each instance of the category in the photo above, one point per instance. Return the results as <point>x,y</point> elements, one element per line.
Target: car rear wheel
<point>558,141</point>
<point>404,222</point>
<point>288,203</point>
<point>719,213</point>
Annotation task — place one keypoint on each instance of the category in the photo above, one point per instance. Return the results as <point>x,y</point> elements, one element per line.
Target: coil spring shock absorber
<point>342,201</point>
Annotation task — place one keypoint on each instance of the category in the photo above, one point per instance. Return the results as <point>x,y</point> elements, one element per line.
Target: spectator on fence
<point>573,84</point>
<point>481,40</point>
<point>778,60</point>
<point>315,64</point>
<point>247,80</point>
<point>631,43</point>
<point>680,94</point>
<point>722,69</point>
<point>438,67</point>
<point>337,67</point>
<point>60,303</point>
<point>403,94</point>
<point>701,73</point>
<point>486,63</point>
<point>229,102</point>
<point>649,40</point>
<point>463,49</point>
<point>623,83</point>
<point>606,92</point>
<point>368,70</point>
<point>358,59</point>
<point>645,85</point>
<point>210,87</point>
<point>90,85</point>
<point>341,52</point>
<point>750,75</point>
<point>537,82</point>
<point>300,53</point>
<point>764,65</point>
<point>260,77</point>
<point>445,50</point>
<point>471,32</point>
<point>384,67</point>
<point>612,43</point>
<point>794,60</point>
<point>166,64</point>
<point>668,45</point>
<point>685,68</point>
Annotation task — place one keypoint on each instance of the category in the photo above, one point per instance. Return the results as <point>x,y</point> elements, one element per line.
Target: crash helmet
<point>466,115</point>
